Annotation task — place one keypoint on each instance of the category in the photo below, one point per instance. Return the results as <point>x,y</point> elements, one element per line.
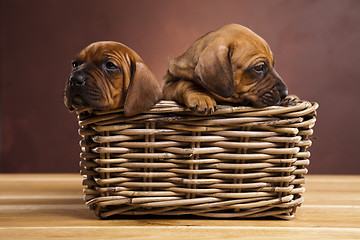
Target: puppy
<point>232,64</point>
<point>108,75</point>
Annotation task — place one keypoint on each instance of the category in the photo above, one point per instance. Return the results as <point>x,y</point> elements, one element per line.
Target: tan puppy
<point>109,75</point>
<point>232,64</point>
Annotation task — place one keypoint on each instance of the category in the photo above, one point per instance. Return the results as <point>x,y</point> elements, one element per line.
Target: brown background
<point>315,42</point>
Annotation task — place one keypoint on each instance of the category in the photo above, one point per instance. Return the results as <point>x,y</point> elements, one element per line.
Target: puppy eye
<point>259,68</point>
<point>74,64</point>
<point>110,66</point>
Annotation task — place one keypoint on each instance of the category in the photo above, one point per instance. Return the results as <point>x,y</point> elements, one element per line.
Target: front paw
<point>290,100</point>
<point>200,102</point>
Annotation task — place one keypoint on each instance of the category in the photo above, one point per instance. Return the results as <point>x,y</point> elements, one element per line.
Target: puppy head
<point>107,75</point>
<point>236,65</point>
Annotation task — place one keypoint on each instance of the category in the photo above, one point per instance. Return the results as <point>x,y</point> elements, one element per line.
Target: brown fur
<point>232,64</point>
<point>108,75</point>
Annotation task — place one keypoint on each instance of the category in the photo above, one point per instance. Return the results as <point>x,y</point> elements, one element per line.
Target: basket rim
<point>166,106</point>
<point>172,109</point>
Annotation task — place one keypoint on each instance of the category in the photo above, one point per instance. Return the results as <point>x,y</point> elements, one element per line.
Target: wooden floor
<point>51,207</point>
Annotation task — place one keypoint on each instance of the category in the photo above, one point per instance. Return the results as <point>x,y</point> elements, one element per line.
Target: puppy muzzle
<point>75,91</point>
<point>280,85</point>
<point>274,93</point>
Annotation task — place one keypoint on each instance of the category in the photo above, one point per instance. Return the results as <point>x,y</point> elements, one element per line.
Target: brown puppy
<point>109,75</point>
<point>232,64</point>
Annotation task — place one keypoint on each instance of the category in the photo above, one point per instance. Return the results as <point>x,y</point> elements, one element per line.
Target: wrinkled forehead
<point>250,47</point>
<point>101,51</point>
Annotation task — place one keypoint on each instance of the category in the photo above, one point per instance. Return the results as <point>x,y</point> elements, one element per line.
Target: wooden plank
<point>180,232</point>
<point>51,206</point>
<point>36,215</point>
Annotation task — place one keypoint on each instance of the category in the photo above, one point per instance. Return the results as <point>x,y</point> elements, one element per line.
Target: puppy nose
<point>283,94</point>
<point>77,80</point>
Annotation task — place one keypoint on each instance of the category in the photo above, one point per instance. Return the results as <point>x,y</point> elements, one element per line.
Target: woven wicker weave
<point>239,162</point>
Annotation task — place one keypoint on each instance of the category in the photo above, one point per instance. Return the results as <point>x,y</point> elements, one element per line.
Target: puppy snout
<point>283,90</point>
<point>281,87</point>
<point>284,93</point>
<point>77,80</point>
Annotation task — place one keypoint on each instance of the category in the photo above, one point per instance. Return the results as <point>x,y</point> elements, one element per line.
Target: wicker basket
<point>239,162</point>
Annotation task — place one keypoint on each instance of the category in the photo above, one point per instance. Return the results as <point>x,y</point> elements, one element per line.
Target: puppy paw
<point>290,100</point>
<point>200,102</point>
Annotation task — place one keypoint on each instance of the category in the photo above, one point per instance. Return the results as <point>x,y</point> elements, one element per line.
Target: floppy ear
<point>215,72</point>
<point>144,90</point>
